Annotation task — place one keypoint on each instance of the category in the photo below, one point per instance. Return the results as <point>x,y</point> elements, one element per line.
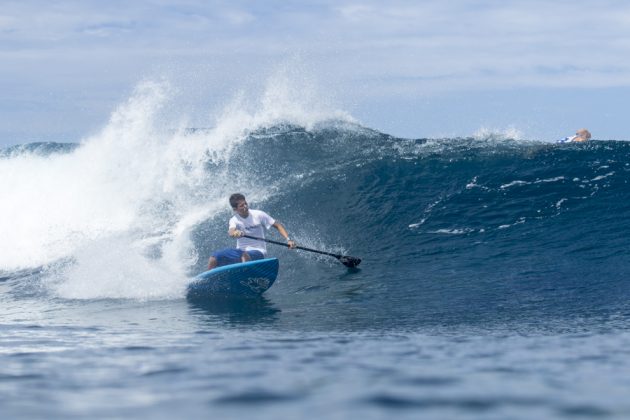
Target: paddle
<point>350,262</point>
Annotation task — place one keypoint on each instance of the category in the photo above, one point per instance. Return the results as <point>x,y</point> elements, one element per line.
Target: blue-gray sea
<point>495,280</point>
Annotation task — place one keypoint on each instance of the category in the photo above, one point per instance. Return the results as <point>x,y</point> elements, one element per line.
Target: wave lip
<point>42,149</point>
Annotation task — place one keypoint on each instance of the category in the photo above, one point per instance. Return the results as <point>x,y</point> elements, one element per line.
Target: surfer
<point>581,135</point>
<point>246,222</point>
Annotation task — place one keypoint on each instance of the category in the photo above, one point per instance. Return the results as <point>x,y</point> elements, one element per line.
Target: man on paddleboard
<point>251,223</point>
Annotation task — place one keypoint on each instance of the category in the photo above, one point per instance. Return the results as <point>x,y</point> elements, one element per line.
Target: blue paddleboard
<point>246,279</point>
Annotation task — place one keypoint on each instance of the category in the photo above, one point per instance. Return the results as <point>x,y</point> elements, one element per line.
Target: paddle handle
<point>297,247</point>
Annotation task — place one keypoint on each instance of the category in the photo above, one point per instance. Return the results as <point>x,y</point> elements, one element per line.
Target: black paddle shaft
<point>344,259</point>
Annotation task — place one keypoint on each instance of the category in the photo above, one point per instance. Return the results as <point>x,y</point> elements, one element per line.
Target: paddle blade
<point>350,262</point>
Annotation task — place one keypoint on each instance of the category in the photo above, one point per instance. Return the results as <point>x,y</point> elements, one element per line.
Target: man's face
<point>242,208</point>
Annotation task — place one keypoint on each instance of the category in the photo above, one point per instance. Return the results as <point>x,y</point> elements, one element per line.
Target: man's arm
<point>284,234</point>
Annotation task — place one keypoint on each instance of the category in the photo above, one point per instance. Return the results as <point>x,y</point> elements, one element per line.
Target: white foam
<point>454,231</point>
<point>113,268</point>
<point>513,183</point>
<point>498,134</point>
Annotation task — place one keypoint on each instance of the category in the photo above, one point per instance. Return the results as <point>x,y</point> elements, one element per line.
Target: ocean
<point>494,283</point>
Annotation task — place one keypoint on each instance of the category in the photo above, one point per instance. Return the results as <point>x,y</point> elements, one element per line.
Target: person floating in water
<point>246,222</point>
<point>580,136</point>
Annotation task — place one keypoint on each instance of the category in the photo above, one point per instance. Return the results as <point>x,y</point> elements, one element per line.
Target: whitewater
<point>494,281</point>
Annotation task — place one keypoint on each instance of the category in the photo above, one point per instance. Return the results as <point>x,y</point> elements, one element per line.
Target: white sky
<point>409,68</point>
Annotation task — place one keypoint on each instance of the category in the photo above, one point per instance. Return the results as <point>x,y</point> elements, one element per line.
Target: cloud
<point>400,39</point>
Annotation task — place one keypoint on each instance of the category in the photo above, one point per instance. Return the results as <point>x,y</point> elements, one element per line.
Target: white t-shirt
<point>253,226</point>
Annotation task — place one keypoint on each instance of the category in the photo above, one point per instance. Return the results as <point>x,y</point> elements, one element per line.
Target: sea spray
<point>127,199</point>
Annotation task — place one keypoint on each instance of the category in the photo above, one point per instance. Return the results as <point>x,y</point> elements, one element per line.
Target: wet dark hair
<point>235,199</point>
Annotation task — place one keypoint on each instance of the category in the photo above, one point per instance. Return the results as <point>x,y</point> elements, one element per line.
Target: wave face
<point>454,228</point>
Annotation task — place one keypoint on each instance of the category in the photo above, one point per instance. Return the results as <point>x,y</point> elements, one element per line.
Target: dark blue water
<point>495,282</point>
